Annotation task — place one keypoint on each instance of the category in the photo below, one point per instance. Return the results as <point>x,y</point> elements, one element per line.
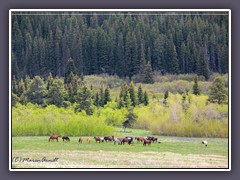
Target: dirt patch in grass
<point>111,159</point>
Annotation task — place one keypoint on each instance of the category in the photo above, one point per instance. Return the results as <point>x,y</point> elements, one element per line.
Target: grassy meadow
<point>172,152</point>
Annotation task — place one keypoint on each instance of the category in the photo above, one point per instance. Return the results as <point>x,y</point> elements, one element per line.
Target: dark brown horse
<point>108,138</point>
<point>153,139</point>
<point>65,138</point>
<point>98,139</point>
<point>139,139</point>
<point>127,139</point>
<point>53,137</point>
<point>146,141</point>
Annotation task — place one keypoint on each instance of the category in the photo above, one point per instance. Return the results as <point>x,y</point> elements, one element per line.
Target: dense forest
<point>118,43</point>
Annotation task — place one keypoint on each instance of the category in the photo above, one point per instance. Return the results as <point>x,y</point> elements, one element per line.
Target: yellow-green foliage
<point>34,120</point>
<point>200,118</point>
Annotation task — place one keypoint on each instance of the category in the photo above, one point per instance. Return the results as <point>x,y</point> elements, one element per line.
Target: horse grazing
<point>151,138</point>
<point>108,138</point>
<point>146,141</point>
<point>129,140</point>
<point>65,138</point>
<point>80,140</point>
<point>139,139</point>
<point>204,142</point>
<point>117,140</point>
<point>98,139</point>
<point>53,137</point>
<point>88,140</point>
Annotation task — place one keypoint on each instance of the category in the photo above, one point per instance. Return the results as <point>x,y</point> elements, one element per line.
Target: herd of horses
<point>120,141</point>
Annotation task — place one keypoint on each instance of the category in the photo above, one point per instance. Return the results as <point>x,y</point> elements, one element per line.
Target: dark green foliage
<point>56,93</point>
<point>145,98</point>
<point>70,70</point>
<point>166,94</point>
<point>130,119</point>
<point>37,91</point>
<point>107,95</point>
<point>132,94</point>
<point>15,99</point>
<point>118,44</point>
<point>84,101</point>
<point>148,74</point>
<point>140,95</point>
<point>218,92</point>
<point>196,88</point>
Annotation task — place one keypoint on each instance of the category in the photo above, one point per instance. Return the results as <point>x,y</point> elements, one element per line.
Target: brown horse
<point>146,141</point>
<point>53,137</point>
<point>88,140</point>
<point>80,140</point>
<point>108,138</point>
<point>140,139</point>
<point>98,139</point>
<point>128,140</point>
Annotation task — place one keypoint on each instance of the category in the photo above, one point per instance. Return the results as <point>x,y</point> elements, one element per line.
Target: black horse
<point>65,138</point>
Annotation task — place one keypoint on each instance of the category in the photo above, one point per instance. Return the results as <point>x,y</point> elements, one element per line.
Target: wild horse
<point>53,137</point>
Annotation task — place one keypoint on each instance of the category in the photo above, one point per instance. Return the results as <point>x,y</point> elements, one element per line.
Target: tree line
<point>75,92</point>
<point>120,44</point>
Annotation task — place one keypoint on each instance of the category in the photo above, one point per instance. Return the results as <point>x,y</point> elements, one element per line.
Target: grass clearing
<point>172,152</point>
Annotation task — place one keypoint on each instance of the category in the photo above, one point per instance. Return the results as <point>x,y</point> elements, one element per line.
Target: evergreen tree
<point>107,95</point>
<point>148,74</point>
<point>37,91</point>
<point>132,94</point>
<point>49,81</point>
<point>196,88</point>
<point>218,92</point>
<point>130,119</point>
<point>70,70</point>
<point>166,94</point>
<point>96,100</point>
<point>145,98</point>
<point>84,101</point>
<point>56,93</point>
<point>140,94</point>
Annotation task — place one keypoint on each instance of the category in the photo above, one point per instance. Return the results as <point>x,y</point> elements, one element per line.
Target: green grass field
<point>172,152</point>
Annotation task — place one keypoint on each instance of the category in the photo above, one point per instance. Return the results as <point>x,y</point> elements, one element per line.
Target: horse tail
<point>49,139</point>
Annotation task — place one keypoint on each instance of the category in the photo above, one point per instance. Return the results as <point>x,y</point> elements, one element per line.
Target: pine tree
<point>70,70</point>
<point>145,98</point>
<point>49,81</point>
<point>148,74</point>
<point>96,100</point>
<point>84,101</point>
<point>56,93</point>
<point>196,88</point>
<point>132,94</point>
<point>166,94</point>
<point>140,94</point>
<point>218,92</point>
<point>130,119</point>
<point>107,95</point>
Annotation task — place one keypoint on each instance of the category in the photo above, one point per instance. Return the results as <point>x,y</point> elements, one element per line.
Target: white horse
<point>204,142</point>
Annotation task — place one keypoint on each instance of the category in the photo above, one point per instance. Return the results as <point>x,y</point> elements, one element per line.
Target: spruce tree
<point>196,88</point>
<point>107,95</point>
<point>132,94</point>
<point>140,94</point>
<point>145,98</point>
<point>218,92</point>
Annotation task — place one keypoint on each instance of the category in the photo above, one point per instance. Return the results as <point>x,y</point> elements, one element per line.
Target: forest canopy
<point>119,43</point>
